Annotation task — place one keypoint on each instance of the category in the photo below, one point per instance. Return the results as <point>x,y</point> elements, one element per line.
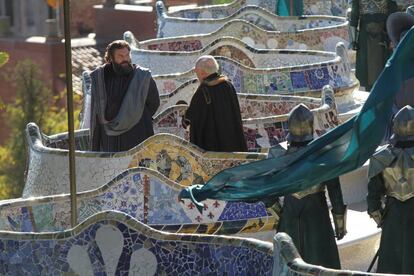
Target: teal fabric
<point>339,151</point>
<point>283,8</point>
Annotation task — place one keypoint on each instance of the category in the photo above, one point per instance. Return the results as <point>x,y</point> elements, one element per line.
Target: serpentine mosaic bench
<point>288,262</point>
<point>185,163</point>
<point>113,243</point>
<point>319,38</point>
<point>147,196</point>
<point>261,85</point>
<point>269,130</point>
<point>310,7</point>
<point>177,26</point>
<point>167,62</point>
<point>170,155</point>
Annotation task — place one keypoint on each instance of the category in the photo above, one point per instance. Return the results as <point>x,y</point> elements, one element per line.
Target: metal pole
<point>68,58</point>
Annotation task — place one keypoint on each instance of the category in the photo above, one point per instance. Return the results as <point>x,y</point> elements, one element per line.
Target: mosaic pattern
<point>169,26</point>
<point>330,7</point>
<point>324,39</point>
<point>175,158</point>
<point>146,196</point>
<point>306,80</point>
<point>113,243</point>
<point>287,261</point>
<point>311,72</point>
<point>160,62</point>
<point>251,106</point>
<point>186,164</point>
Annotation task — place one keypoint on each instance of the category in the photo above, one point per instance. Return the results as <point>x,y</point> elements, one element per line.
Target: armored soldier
<point>305,215</point>
<point>369,37</point>
<point>391,182</point>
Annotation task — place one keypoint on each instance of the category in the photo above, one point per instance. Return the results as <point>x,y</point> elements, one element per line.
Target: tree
<point>34,102</point>
<point>4,57</point>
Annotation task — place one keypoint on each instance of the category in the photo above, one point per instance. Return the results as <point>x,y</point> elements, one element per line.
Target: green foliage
<point>34,102</point>
<point>4,57</point>
<point>216,2</point>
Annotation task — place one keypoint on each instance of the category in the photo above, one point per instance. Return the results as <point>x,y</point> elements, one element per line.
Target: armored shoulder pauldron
<point>399,176</point>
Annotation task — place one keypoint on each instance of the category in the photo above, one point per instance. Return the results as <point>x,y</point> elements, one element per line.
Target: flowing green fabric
<point>283,8</point>
<point>339,151</point>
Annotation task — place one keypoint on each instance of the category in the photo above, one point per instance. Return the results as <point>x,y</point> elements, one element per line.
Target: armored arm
<point>338,210</point>
<point>376,190</point>
<point>340,224</point>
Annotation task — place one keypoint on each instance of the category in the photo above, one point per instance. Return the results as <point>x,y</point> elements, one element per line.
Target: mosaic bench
<point>167,62</point>
<point>48,162</point>
<point>147,196</point>
<point>266,85</point>
<point>48,156</point>
<point>319,38</point>
<point>262,133</point>
<point>113,243</point>
<point>288,262</point>
<point>330,7</point>
<point>177,159</point>
<point>170,26</point>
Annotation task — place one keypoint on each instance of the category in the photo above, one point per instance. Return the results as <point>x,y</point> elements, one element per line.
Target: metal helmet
<point>403,124</point>
<point>300,124</point>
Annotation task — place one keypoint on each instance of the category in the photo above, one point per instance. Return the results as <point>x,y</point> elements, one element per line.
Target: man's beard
<point>124,68</point>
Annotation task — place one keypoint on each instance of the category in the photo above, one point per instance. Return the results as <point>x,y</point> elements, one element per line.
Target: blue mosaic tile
<point>298,80</point>
<point>317,78</point>
<point>242,210</point>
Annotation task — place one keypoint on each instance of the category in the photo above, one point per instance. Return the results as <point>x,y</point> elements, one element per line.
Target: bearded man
<point>124,97</point>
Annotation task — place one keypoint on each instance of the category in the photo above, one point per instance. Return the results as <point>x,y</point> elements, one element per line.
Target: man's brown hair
<point>114,45</point>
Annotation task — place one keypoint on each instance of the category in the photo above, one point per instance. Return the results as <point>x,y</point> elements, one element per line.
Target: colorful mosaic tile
<point>146,196</point>
<point>332,7</point>
<point>167,62</point>
<point>170,25</point>
<point>175,158</point>
<point>113,243</point>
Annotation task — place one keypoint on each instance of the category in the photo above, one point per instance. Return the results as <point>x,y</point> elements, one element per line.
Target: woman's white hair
<point>208,64</point>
